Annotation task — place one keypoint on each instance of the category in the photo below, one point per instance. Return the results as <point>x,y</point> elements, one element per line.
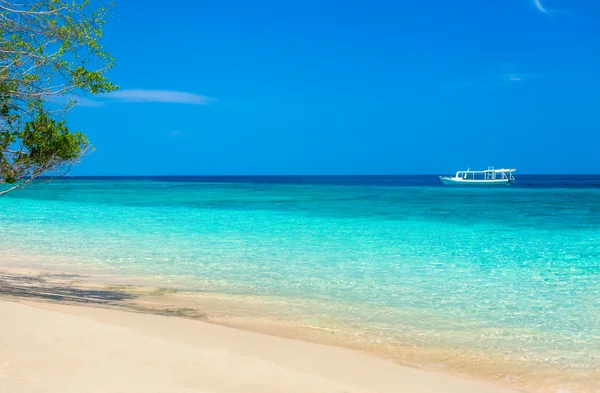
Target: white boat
<point>489,177</point>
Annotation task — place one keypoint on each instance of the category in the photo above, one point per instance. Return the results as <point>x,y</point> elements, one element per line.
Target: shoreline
<point>48,332</point>
<point>126,294</point>
<point>142,352</point>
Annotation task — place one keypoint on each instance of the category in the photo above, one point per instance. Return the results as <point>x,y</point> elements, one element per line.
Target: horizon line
<point>312,175</point>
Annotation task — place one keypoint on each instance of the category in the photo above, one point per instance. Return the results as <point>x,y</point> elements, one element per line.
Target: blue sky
<point>356,87</point>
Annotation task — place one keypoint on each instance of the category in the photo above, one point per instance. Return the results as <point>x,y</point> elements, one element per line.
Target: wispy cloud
<point>552,12</point>
<point>166,96</point>
<point>519,76</point>
<point>515,77</point>
<point>142,95</point>
<point>512,72</point>
<point>84,101</point>
<point>540,6</point>
<point>503,75</point>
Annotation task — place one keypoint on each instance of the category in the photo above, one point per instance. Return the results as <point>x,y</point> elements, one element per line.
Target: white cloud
<point>515,77</point>
<point>167,96</point>
<point>539,6</point>
<point>141,95</point>
<point>523,76</point>
<point>84,101</point>
<point>504,75</point>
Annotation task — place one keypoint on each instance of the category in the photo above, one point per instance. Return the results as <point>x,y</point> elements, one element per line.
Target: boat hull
<point>452,181</point>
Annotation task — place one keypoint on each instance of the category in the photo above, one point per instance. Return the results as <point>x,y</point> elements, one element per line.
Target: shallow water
<point>455,277</point>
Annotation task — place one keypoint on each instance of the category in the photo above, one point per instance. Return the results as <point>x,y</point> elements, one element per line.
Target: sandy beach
<point>62,348</point>
<point>50,344</point>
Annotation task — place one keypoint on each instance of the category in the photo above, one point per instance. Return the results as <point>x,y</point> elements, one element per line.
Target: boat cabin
<point>490,176</point>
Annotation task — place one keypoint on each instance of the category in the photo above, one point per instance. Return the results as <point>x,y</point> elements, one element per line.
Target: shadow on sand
<point>50,287</point>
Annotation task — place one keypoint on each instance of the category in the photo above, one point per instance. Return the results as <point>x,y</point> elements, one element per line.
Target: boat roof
<point>489,171</point>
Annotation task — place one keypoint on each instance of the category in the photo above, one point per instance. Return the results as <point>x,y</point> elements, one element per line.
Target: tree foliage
<point>50,54</point>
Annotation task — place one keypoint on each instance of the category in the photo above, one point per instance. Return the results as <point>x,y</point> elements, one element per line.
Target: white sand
<point>56,348</point>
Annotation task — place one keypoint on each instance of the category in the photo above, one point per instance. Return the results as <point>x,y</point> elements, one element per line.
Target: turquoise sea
<point>492,282</point>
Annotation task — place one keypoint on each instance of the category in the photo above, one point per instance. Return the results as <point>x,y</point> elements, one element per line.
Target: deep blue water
<point>524,181</point>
